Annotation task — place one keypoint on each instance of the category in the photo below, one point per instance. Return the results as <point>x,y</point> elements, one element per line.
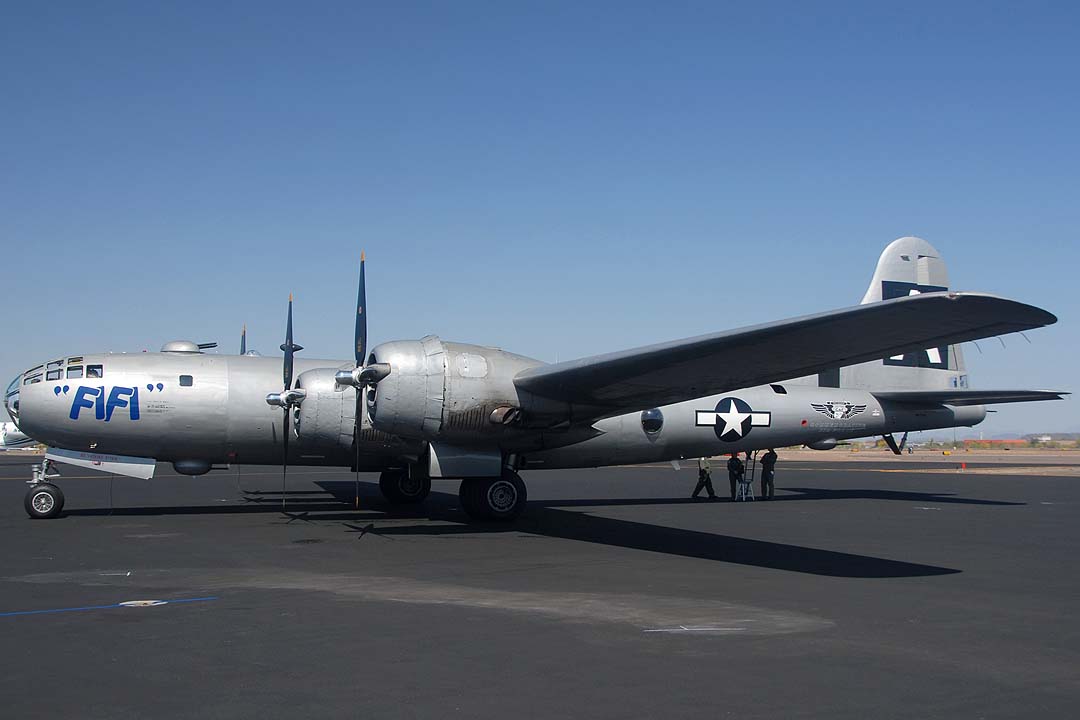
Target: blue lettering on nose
<point>84,398</point>
<point>123,397</point>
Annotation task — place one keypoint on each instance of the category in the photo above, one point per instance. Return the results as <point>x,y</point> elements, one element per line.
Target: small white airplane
<point>11,437</point>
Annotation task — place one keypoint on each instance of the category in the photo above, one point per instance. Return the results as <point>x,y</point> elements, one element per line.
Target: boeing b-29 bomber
<point>414,410</point>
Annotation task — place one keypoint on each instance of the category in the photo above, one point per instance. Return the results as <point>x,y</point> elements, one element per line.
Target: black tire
<point>468,494</point>
<point>401,488</point>
<point>43,501</point>
<point>501,499</point>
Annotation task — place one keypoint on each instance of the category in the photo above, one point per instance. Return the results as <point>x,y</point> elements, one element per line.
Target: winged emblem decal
<point>838,410</point>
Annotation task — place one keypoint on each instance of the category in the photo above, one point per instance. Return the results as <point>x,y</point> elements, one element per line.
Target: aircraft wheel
<point>501,498</point>
<point>43,501</point>
<point>399,487</point>
<point>469,497</point>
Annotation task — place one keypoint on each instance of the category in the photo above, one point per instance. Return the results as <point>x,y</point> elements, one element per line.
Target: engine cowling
<point>323,422</point>
<point>448,391</point>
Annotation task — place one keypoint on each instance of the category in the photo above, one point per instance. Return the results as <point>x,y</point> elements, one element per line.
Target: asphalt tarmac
<point>853,594</point>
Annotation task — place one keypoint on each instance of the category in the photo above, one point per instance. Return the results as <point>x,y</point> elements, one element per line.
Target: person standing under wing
<point>704,479</point>
<point>768,471</point>
<point>735,469</point>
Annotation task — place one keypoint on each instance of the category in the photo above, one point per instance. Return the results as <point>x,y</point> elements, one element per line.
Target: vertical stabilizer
<point>908,266</point>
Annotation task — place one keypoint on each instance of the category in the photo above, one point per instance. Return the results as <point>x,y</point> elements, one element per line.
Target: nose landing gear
<point>43,500</point>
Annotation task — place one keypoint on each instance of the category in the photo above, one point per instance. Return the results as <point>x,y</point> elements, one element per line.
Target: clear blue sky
<point>555,179</point>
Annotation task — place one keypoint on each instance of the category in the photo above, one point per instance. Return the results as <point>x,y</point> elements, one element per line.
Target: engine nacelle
<point>323,422</point>
<point>449,391</point>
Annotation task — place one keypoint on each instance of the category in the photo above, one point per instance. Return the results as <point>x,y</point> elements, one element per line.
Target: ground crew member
<point>704,479</point>
<point>768,470</point>
<point>735,470</point>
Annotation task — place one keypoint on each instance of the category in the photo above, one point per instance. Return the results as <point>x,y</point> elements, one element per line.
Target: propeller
<point>363,374</point>
<point>288,398</point>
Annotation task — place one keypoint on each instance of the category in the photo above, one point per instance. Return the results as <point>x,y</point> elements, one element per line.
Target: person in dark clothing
<point>735,469</point>
<point>768,470</point>
<point>704,479</point>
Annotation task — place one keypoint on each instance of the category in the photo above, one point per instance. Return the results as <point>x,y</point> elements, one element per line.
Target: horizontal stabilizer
<point>708,364</point>
<point>968,397</point>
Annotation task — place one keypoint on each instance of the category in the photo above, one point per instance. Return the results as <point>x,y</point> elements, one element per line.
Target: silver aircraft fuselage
<point>195,407</point>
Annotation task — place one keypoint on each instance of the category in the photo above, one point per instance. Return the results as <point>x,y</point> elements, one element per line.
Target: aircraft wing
<point>610,384</point>
<point>968,397</point>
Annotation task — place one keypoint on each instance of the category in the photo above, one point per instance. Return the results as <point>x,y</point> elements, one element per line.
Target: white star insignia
<point>733,419</point>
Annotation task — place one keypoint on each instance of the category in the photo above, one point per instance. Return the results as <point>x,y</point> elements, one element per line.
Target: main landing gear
<point>499,498</point>
<point>404,487</point>
<point>502,498</point>
<point>43,500</point>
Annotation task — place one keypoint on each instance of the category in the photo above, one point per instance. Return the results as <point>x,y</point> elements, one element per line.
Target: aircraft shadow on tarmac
<point>874,494</point>
<point>558,519</point>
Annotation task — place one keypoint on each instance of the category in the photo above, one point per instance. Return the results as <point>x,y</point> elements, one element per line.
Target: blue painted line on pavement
<point>97,607</point>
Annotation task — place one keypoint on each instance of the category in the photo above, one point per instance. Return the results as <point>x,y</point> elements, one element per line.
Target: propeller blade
<point>284,453</point>
<point>360,335</point>
<point>243,341</point>
<point>289,348</point>
<point>360,348</point>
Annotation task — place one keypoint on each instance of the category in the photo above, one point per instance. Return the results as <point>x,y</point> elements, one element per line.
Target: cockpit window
<point>94,371</point>
<point>54,374</point>
<point>32,380</point>
<point>74,360</point>
<point>186,381</point>
<point>55,364</point>
<point>74,372</point>
<point>11,400</point>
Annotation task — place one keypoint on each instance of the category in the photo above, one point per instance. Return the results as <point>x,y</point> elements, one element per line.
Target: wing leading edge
<point>708,364</point>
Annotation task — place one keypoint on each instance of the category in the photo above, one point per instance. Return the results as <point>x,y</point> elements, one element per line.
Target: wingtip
<point>1026,315</point>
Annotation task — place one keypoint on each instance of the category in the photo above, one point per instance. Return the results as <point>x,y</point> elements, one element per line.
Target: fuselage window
<point>74,360</point>
<point>186,381</point>
<point>54,375</point>
<point>779,389</point>
<point>94,371</point>
<point>652,421</point>
<point>74,372</point>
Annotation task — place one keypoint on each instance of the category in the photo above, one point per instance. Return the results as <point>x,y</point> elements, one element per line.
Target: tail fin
<point>908,266</point>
